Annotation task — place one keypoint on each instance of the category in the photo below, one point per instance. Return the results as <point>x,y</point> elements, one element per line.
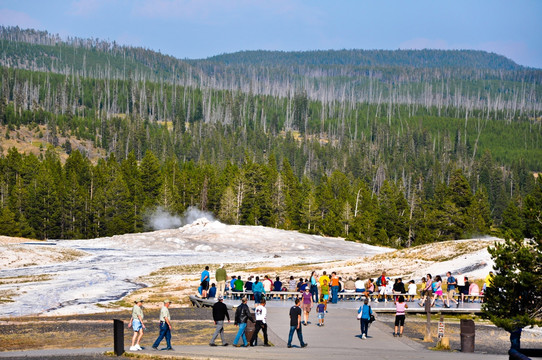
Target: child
<point>412,289</point>
<point>400,307</point>
<point>325,293</point>
<point>321,311</point>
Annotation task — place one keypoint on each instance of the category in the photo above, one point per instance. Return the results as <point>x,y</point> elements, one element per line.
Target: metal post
<point>118,337</point>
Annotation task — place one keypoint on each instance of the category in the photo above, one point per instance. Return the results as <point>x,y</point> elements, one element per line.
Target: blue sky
<point>201,28</point>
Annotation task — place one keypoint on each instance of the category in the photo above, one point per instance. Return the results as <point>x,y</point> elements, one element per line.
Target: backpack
<point>379,281</point>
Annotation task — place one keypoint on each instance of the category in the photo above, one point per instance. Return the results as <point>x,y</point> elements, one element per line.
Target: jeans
<point>364,326</point>
<point>164,332</point>
<point>314,292</point>
<point>241,333</point>
<point>219,330</point>
<point>334,292</point>
<point>257,297</point>
<point>259,325</point>
<point>299,335</point>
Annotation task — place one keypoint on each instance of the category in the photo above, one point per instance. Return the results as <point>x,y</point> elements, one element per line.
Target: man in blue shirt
<point>277,285</point>
<point>450,289</point>
<point>205,277</point>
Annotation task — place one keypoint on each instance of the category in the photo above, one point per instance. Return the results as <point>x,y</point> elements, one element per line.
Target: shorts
<point>451,294</point>
<point>326,296</point>
<point>321,315</point>
<point>439,293</point>
<point>205,285</point>
<point>136,324</point>
<point>399,320</point>
<point>306,307</point>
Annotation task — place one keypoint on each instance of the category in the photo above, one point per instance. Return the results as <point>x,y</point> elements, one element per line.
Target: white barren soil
<point>83,276</point>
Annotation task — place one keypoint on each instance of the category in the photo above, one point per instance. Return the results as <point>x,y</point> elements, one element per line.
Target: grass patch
<point>25,279</point>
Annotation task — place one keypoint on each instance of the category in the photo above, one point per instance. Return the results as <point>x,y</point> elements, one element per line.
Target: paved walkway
<point>338,338</point>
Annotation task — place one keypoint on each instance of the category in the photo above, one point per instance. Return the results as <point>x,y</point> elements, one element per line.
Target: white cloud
<point>16,18</point>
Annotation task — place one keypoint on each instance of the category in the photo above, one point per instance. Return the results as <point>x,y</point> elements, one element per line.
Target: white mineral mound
<point>113,264</point>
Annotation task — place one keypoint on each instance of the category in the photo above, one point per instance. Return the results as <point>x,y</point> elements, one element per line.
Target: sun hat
<point>167,301</point>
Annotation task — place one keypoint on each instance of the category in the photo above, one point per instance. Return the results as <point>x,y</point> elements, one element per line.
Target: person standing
<point>261,323</point>
<point>165,327</point>
<point>400,307</point>
<point>221,278</point>
<point>295,324</point>
<point>325,293</point>
<point>242,315</point>
<point>460,279</point>
<point>314,286</point>
<point>450,289</point>
<point>365,312</point>
<point>323,278</point>
<point>220,311</point>
<point>334,288</point>
<point>257,290</point>
<point>136,322</point>
<point>205,277</point>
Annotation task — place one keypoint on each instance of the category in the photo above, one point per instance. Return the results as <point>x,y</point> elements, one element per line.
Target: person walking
<point>261,323</point>
<point>205,277</point>
<point>427,290</point>
<point>437,288</point>
<point>220,311</point>
<point>242,315</point>
<point>165,327</point>
<point>314,286</point>
<point>221,277</point>
<point>306,305</point>
<point>400,307</point>
<point>136,322</point>
<point>451,283</point>
<point>295,324</point>
<point>321,310</point>
<point>364,315</point>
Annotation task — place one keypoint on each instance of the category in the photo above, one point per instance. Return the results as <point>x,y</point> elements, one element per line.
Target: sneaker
<point>154,348</point>
<point>400,335</point>
<point>212,344</point>
<point>289,346</point>
<point>169,348</point>
<point>304,345</point>
<point>225,344</point>
<point>457,305</point>
<point>266,345</point>
<point>364,337</point>
<point>133,348</point>
<point>138,347</point>
<point>394,334</point>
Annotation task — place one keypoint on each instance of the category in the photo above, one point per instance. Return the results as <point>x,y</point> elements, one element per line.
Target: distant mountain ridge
<point>427,58</point>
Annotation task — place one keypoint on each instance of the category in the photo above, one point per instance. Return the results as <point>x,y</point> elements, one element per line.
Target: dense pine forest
<point>394,148</point>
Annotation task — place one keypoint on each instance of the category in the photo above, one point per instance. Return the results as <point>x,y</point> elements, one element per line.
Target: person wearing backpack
<point>364,315</point>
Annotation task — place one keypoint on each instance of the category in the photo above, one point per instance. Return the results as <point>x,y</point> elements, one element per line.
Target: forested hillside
<point>387,168</point>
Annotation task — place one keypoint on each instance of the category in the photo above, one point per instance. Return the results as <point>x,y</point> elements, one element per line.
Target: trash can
<point>467,335</point>
<point>251,328</point>
<point>118,337</point>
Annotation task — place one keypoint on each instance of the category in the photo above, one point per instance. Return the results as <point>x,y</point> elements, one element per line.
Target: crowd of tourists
<point>314,291</point>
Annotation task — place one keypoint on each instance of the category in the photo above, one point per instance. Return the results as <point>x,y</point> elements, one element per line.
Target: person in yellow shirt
<point>323,278</point>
